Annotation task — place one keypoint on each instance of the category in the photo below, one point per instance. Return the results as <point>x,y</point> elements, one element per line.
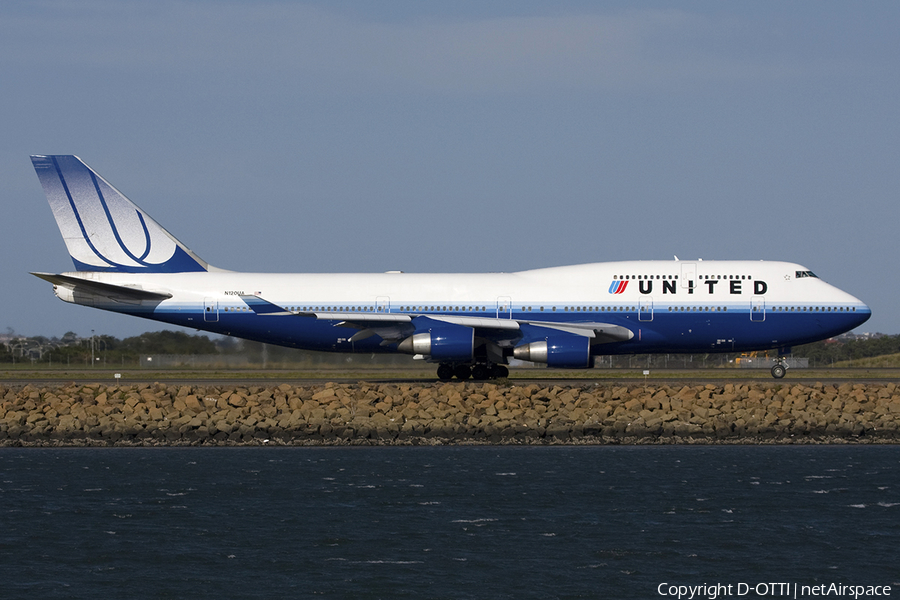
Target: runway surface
<point>543,377</point>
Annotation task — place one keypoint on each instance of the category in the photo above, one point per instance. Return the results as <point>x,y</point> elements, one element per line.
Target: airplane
<point>471,325</point>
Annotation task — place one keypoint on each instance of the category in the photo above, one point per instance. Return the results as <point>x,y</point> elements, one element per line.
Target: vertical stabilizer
<point>104,230</point>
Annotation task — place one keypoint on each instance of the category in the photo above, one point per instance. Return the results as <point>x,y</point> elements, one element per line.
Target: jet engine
<point>561,351</point>
<point>451,343</point>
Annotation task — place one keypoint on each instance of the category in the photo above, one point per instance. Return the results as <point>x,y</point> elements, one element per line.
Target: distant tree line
<point>828,352</point>
<point>105,350</point>
<point>73,350</point>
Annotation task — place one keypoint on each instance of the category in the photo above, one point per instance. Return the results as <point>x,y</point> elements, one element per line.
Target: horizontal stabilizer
<point>119,293</point>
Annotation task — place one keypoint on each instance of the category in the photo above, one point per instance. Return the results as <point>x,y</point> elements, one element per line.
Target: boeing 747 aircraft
<point>469,324</point>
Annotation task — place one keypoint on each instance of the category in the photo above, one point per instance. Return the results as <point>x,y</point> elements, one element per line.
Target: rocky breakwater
<point>449,413</point>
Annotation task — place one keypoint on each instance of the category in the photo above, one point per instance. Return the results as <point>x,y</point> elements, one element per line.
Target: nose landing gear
<point>779,369</point>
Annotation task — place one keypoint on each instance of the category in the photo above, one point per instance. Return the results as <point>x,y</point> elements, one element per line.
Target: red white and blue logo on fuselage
<point>617,287</point>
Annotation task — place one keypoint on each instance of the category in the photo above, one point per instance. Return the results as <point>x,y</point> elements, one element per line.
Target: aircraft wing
<point>393,327</point>
<point>266,308</point>
<point>601,333</point>
<point>117,293</point>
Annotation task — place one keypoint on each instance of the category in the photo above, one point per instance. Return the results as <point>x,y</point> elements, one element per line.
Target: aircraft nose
<point>863,312</point>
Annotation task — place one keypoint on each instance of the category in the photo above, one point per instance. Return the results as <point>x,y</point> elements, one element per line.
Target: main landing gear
<point>478,371</point>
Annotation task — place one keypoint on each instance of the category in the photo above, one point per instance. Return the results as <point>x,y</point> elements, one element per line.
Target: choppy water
<point>445,522</point>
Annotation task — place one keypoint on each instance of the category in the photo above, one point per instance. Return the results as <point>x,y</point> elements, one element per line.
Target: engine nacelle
<point>451,343</point>
<point>565,352</point>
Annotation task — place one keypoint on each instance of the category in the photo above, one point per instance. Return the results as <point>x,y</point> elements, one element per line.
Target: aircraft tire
<point>499,372</point>
<point>778,371</point>
<point>480,372</point>
<point>462,372</point>
<point>445,372</point>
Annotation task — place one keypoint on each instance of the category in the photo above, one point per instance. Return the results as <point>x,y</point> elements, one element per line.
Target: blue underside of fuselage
<point>665,333</point>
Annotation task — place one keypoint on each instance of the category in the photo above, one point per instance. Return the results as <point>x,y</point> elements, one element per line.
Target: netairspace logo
<point>784,590</point>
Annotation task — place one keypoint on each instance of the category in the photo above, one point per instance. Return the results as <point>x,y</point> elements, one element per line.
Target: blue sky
<point>361,137</point>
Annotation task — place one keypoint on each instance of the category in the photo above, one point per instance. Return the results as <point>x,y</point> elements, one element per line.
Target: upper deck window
<point>799,274</point>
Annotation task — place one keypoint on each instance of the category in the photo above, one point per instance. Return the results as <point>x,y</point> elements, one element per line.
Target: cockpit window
<point>799,274</point>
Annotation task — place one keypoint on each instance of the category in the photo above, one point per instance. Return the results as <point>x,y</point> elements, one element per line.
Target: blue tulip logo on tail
<point>617,287</point>
<point>104,230</point>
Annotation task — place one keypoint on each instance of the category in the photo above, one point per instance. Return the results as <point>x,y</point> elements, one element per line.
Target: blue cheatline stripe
<point>664,335</point>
